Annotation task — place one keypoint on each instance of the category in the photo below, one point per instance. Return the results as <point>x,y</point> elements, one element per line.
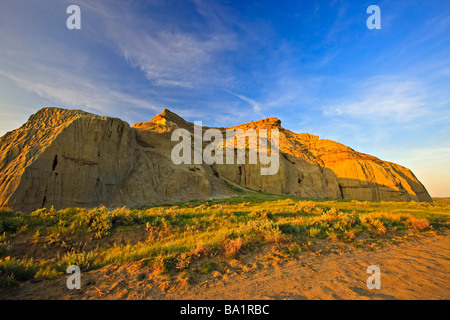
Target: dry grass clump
<point>334,225</point>
<point>203,207</point>
<point>307,207</point>
<point>162,264</point>
<point>259,213</point>
<point>331,216</point>
<point>417,224</point>
<point>388,216</point>
<point>314,232</point>
<point>265,230</point>
<point>13,270</point>
<point>184,259</point>
<point>373,224</point>
<point>84,260</point>
<point>287,202</point>
<point>233,247</point>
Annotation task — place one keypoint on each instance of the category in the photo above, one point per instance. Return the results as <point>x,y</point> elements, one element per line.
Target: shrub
<point>261,214</point>
<point>10,222</point>
<point>207,267</point>
<point>184,259</point>
<point>125,217</point>
<point>315,232</point>
<point>233,247</point>
<point>199,250</point>
<point>5,246</point>
<point>162,264</point>
<point>84,260</point>
<point>349,235</point>
<point>53,238</point>
<point>264,228</point>
<point>308,207</point>
<point>373,224</point>
<point>333,236</point>
<point>47,272</point>
<point>98,221</point>
<point>13,270</point>
<point>418,224</point>
<point>41,213</point>
<point>294,249</point>
<point>290,228</point>
<point>333,212</point>
<point>101,225</point>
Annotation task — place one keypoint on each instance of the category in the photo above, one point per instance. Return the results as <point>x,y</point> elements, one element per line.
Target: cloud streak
<point>385,98</point>
<point>168,55</point>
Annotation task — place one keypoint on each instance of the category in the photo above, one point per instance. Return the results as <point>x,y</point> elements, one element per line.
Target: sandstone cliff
<point>66,158</point>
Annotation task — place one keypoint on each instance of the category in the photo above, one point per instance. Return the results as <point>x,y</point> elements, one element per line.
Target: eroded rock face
<point>66,158</point>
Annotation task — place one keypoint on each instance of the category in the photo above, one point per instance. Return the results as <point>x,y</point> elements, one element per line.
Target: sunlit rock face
<point>71,158</point>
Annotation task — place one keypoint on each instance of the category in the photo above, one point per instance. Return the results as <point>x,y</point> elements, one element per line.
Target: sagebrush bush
<point>233,247</point>
<point>184,259</point>
<point>47,271</point>
<point>292,228</point>
<point>5,246</point>
<point>14,270</point>
<point>418,224</point>
<point>266,229</point>
<point>126,217</point>
<point>84,260</point>
<point>261,214</point>
<point>10,222</point>
<point>308,207</point>
<point>162,264</point>
<point>373,224</point>
<point>315,232</point>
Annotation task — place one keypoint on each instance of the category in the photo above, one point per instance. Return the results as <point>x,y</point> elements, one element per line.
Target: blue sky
<point>313,64</point>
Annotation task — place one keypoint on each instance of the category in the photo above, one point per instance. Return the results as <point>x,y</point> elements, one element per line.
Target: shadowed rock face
<point>65,158</point>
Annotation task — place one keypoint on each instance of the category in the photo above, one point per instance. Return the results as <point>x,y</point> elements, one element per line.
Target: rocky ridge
<point>71,158</point>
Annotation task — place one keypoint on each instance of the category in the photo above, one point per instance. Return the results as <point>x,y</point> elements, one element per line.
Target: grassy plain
<point>182,241</point>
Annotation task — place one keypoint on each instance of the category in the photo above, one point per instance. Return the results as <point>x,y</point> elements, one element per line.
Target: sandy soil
<point>412,268</point>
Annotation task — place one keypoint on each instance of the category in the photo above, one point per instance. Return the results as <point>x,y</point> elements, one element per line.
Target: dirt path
<point>412,269</point>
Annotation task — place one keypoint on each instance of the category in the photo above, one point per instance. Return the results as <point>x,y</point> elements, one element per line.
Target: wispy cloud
<point>167,54</point>
<point>170,59</point>
<point>383,97</point>
<point>256,106</point>
<point>71,74</point>
<point>78,92</point>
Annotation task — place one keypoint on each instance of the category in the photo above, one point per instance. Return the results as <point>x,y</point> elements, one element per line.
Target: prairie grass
<point>15,270</point>
<point>178,238</point>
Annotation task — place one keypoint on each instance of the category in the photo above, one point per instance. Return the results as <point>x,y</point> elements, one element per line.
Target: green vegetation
<point>176,238</point>
<point>14,270</point>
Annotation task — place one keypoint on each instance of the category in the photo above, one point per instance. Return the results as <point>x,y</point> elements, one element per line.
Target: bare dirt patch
<point>415,267</point>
